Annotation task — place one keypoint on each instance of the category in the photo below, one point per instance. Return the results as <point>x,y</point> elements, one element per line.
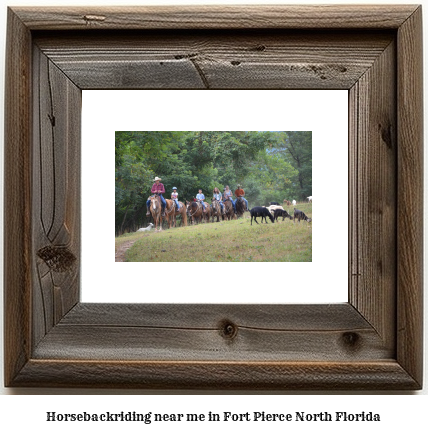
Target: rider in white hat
<point>157,188</point>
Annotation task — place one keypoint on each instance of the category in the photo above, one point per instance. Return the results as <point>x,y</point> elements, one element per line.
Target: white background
<point>325,113</point>
<point>399,412</point>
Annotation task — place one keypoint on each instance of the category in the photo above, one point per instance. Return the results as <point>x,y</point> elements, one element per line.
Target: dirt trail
<point>120,253</point>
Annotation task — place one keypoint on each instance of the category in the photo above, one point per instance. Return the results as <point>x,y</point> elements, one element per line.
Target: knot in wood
<point>227,329</point>
<point>58,259</point>
<point>386,134</point>
<point>94,18</point>
<point>351,340</point>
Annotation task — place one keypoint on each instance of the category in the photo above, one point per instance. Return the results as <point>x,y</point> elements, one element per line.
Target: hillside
<point>228,241</point>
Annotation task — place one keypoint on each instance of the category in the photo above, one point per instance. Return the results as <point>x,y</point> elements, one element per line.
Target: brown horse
<point>171,213</point>
<point>229,213</point>
<point>156,211</point>
<point>195,211</point>
<point>215,210</point>
<point>207,213</point>
<point>240,206</point>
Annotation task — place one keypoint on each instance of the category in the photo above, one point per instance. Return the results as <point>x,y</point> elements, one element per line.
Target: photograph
<point>193,196</point>
<point>215,112</point>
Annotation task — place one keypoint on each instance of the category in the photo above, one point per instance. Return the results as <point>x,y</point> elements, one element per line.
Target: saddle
<point>199,202</point>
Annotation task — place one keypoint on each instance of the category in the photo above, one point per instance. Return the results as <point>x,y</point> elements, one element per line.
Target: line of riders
<point>158,189</point>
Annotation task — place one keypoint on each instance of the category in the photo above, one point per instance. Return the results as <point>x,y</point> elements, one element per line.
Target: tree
<point>271,165</point>
<point>296,146</point>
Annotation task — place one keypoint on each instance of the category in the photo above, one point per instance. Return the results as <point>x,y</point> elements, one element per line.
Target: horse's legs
<point>158,223</point>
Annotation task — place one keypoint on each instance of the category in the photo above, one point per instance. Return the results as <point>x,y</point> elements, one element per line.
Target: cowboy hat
<point>157,179</point>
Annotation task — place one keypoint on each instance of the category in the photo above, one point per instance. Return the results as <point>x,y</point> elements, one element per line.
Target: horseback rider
<point>239,192</point>
<point>218,196</point>
<point>158,188</point>
<point>201,197</point>
<point>174,197</point>
<point>228,196</point>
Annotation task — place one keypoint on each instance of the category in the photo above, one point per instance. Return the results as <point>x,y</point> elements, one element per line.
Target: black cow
<point>260,211</point>
<point>300,215</point>
<point>281,212</point>
<point>273,203</point>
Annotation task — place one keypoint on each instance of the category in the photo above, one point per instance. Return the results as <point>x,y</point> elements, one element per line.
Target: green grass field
<point>228,241</point>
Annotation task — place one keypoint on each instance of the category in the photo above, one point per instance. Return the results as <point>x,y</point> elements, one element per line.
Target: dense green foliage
<point>270,165</point>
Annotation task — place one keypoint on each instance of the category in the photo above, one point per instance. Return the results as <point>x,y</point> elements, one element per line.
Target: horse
<point>240,206</point>
<point>207,213</point>
<point>171,213</point>
<point>183,213</point>
<point>229,213</point>
<point>215,210</point>
<point>156,210</point>
<point>195,211</point>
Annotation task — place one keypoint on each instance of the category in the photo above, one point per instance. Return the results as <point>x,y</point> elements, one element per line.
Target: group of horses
<point>194,210</point>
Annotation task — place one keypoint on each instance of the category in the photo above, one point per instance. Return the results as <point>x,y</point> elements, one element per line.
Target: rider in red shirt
<point>239,192</point>
<point>158,188</point>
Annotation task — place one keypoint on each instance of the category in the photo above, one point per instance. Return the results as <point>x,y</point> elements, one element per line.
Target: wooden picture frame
<point>372,342</point>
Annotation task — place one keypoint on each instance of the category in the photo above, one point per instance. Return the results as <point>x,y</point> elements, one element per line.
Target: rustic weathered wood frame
<point>372,342</point>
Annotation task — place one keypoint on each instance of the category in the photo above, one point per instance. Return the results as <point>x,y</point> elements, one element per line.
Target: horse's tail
<point>184,217</point>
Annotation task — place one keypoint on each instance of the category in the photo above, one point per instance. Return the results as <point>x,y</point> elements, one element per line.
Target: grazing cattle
<point>272,208</point>
<point>281,212</point>
<point>294,202</point>
<point>155,210</point>
<point>300,215</point>
<point>309,198</point>
<point>260,211</point>
<point>148,228</point>
<point>287,202</point>
<point>273,203</point>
